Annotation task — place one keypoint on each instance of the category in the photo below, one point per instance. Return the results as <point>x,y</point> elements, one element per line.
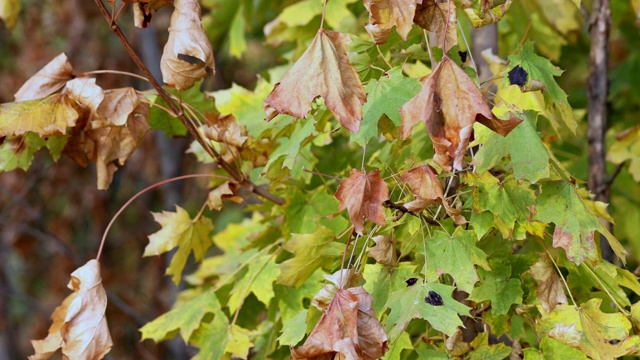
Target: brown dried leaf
<point>384,252</point>
<point>224,129</point>
<point>187,56</point>
<point>85,92</point>
<point>440,17</point>
<point>385,14</point>
<point>362,195</point>
<point>226,191</point>
<point>449,103</point>
<point>349,329</point>
<point>143,10</point>
<point>48,80</point>
<point>550,287</point>
<point>341,279</point>
<point>323,70</point>
<point>79,324</point>
<point>117,105</point>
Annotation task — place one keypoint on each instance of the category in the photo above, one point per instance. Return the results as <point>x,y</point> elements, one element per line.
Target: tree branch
<point>184,119</point>
<point>400,207</point>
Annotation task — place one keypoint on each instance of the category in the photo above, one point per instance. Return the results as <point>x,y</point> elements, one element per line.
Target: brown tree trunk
<point>598,87</point>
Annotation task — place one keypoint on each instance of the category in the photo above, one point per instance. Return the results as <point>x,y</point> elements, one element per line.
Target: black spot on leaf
<point>411,281</point>
<point>463,56</point>
<point>518,76</point>
<point>434,299</point>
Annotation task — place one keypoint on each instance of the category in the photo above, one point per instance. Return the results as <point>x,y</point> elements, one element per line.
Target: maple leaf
<point>409,303</point>
<point>226,191</point>
<point>341,279</point>
<point>323,70</point>
<point>362,195</point>
<point>550,288</point>
<point>597,334</point>
<point>47,81</point>
<point>85,92</point>
<point>425,186</point>
<point>79,324</point>
<point>385,14</point>
<point>384,252</point>
<point>116,106</point>
<point>348,329</point>
<point>439,17</point>
<point>499,288</point>
<point>449,104</point>
<point>482,12</point>
<point>178,230</point>
<point>51,115</point>
<point>224,129</point>
<point>187,55</point>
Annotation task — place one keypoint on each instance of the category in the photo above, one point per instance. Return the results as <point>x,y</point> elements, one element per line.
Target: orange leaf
<point>449,103</point>
<point>362,195</point>
<point>323,70</point>
<point>385,14</point>
<point>48,80</point>
<point>187,55</point>
<point>349,329</point>
<point>439,16</point>
<point>79,324</point>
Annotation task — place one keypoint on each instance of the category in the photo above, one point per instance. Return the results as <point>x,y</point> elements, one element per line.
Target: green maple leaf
<point>383,280</point>
<point>311,251</point>
<point>291,302</point>
<point>306,210</point>
<point>507,200</point>
<point>455,255</point>
<point>409,303</point>
<point>484,351</point>
<point>290,146</point>
<point>551,348</point>
<point>541,70</point>
<point>590,330</point>
<point>262,272</point>
<point>384,97</point>
<point>211,338</point>
<point>17,152</point>
<point>559,203</point>
<point>529,156</point>
<point>395,348</point>
<point>178,230</point>
<point>239,342</point>
<point>186,316</point>
<point>499,288</point>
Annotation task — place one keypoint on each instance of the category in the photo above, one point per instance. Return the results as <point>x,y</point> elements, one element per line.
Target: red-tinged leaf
<point>550,287</point>
<point>323,70</point>
<point>362,195</point>
<point>187,55</point>
<point>385,14</point>
<point>79,324</point>
<point>48,80</point>
<point>439,17</point>
<point>426,187</point>
<point>449,103</point>
<point>349,329</point>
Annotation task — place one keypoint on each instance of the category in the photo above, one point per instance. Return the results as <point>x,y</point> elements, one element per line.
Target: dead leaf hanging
<point>362,195</point>
<point>439,17</point>
<point>48,80</point>
<point>143,11</point>
<point>385,14</point>
<point>187,55</point>
<point>323,70</point>
<point>349,329</point>
<point>426,187</point>
<point>79,325</point>
<point>449,103</point>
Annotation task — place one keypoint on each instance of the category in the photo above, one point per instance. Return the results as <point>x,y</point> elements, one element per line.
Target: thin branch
<point>186,121</point>
<point>400,207</point>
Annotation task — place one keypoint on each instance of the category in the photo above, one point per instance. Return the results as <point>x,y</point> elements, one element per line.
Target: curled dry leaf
<point>79,324</point>
<point>224,129</point>
<point>439,17</point>
<point>385,14</point>
<point>341,279</point>
<point>384,252</point>
<point>449,103</point>
<point>117,105</point>
<point>48,80</point>
<point>362,195</point>
<point>550,288</point>
<point>323,70</point>
<point>226,191</point>
<point>143,10</point>
<point>426,187</point>
<point>349,329</point>
<point>85,92</point>
<point>187,55</point>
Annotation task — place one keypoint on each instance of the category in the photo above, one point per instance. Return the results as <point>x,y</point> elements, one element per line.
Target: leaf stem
<point>595,276</point>
<point>117,72</point>
<point>383,58</point>
<point>186,121</point>
<point>324,11</point>
<point>150,187</point>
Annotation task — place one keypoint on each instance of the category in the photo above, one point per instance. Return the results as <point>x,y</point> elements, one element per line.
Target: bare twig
<point>400,207</point>
<point>184,119</point>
